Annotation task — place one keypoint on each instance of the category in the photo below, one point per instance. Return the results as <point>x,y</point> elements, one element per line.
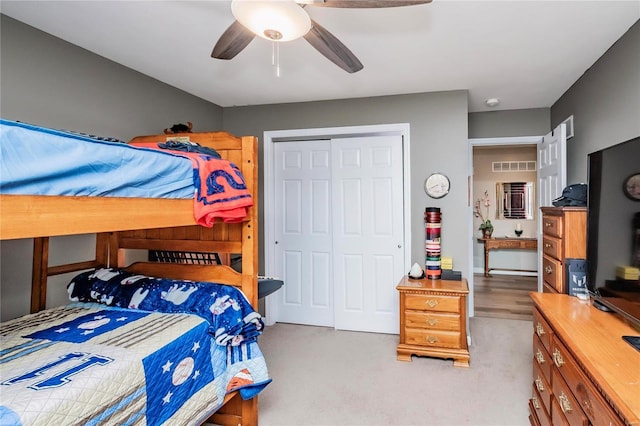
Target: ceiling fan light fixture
<point>274,20</point>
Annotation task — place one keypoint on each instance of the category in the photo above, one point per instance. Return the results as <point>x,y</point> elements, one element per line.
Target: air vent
<point>513,166</point>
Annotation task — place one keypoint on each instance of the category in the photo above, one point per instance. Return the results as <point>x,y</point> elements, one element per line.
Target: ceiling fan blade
<point>332,48</point>
<point>232,41</point>
<point>355,4</point>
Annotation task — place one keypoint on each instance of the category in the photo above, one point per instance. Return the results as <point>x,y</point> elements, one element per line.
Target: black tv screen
<point>613,228</point>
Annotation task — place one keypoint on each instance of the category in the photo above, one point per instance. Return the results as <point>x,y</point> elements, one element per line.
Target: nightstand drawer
<point>436,338</point>
<point>552,247</point>
<point>552,225</point>
<point>434,321</point>
<point>552,272</point>
<point>428,302</point>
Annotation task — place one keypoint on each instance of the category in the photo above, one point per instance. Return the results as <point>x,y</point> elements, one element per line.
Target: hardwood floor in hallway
<point>504,296</point>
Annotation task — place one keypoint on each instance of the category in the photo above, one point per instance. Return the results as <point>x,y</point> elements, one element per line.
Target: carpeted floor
<point>326,377</point>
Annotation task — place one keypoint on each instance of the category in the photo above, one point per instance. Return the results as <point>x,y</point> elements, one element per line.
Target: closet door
<point>339,232</point>
<point>368,254</point>
<point>303,232</point>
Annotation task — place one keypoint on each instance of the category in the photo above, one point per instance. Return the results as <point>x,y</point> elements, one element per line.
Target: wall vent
<point>513,166</point>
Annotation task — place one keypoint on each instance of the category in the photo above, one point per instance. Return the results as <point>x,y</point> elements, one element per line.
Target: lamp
<point>274,20</point>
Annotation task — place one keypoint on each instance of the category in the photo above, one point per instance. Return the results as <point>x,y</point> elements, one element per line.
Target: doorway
<point>343,276</point>
<point>494,162</point>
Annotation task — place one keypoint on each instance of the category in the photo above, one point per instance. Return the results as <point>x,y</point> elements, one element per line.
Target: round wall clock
<point>437,185</point>
<point>632,187</point>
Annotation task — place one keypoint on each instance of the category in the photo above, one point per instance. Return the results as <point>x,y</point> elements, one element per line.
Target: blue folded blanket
<point>232,319</point>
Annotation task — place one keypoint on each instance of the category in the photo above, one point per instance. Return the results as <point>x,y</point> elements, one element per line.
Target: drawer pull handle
<point>548,269</point>
<point>536,403</point>
<point>432,339</point>
<point>548,225</point>
<point>547,245</point>
<point>432,321</point>
<point>432,303</point>
<point>539,329</point>
<point>540,357</point>
<point>557,358</point>
<point>565,404</point>
<point>539,385</point>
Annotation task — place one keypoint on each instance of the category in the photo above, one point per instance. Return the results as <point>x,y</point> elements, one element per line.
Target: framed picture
<point>632,187</point>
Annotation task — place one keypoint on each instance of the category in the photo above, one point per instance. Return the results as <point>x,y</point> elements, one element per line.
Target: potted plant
<point>486,227</point>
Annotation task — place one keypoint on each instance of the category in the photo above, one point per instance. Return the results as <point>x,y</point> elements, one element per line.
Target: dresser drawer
<point>552,272</point>
<point>557,416</point>
<point>552,225</point>
<point>435,303</point>
<point>566,402</point>
<point>542,386</point>
<point>435,338</point>
<point>432,321</point>
<point>542,329</point>
<point>536,407</point>
<point>542,359</point>
<point>552,246</point>
<point>586,394</point>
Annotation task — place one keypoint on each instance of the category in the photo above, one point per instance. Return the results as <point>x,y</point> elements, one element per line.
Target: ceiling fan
<point>290,22</point>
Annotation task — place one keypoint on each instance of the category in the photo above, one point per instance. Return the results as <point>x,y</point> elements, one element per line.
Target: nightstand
<point>433,320</point>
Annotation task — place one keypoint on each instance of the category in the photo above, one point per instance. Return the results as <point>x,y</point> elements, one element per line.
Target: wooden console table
<point>506,243</point>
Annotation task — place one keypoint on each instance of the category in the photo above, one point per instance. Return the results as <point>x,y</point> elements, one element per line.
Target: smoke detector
<point>492,102</point>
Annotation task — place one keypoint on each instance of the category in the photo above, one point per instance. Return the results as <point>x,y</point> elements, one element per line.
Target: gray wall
<point>438,141</point>
<point>52,83</point>
<point>604,102</point>
<point>509,123</point>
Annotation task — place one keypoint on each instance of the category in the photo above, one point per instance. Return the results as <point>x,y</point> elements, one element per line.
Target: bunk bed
<point>162,225</point>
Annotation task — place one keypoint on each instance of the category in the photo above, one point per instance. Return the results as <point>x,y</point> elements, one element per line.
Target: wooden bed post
<point>250,228</point>
<point>237,412</point>
<point>39,273</point>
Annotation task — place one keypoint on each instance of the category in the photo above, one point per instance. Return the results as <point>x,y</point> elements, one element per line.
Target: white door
<point>303,243</point>
<point>552,178</point>
<point>367,232</point>
<point>339,238</point>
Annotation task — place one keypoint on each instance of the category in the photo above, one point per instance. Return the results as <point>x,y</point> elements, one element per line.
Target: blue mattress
<point>40,161</point>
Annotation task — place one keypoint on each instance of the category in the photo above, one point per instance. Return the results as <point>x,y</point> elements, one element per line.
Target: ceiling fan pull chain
<point>275,56</point>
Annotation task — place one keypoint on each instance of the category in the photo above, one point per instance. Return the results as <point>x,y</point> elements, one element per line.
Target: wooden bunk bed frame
<point>148,224</point>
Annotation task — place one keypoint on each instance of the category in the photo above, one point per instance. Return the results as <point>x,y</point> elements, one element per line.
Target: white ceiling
<point>526,53</point>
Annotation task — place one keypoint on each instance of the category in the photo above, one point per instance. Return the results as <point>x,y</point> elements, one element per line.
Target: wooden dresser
<point>564,236</point>
<point>433,320</point>
<point>583,372</point>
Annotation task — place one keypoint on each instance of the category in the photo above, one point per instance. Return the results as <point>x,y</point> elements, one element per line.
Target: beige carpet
<point>327,377</point>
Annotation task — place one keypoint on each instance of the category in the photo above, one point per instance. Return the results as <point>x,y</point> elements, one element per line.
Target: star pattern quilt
<point>89,364</point>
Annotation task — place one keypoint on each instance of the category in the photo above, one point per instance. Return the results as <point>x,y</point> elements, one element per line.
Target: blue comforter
<point>231,317</point>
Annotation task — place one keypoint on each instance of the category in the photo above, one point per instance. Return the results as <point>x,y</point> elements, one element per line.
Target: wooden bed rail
<point>41,270</point>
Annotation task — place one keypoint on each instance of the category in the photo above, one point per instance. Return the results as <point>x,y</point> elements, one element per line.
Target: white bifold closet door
<point>339,237</point>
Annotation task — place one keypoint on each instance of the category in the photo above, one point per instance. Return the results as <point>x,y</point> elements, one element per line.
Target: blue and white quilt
<point>89,363</point>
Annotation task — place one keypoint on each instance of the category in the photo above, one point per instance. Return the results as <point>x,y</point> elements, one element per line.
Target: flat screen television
<point>613,228</point>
